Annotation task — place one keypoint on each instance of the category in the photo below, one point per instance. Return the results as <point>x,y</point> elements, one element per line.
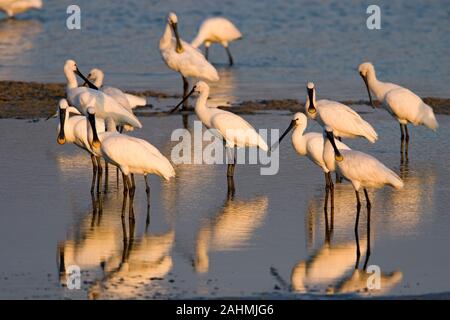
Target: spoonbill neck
<point>71,79</point>
<point>202,110</point>
<point>166,38</point>
<point>376,86</point>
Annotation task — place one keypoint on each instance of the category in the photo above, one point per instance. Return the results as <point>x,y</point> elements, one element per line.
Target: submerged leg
<point>230,57</point>
<point>368,230</point>
<point>185,92</point>
<point>230,190</point>
<point>147,190</point>
<point>94,173</point>
<point>406,140</point>
<point>358,209</point>
<point>131,191</point>
<point>99,175</point>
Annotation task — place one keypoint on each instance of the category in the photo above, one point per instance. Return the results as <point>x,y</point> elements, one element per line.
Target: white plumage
<point>132,155</point>
<point>183,58</point>
<point>104,105</point>
<point>14,7</point>
<point>361,169</point>
<point>404,105</point>
<point>127,100</point>
<point>216,30</point>
<point>310,144</point>
<point>346,123</point>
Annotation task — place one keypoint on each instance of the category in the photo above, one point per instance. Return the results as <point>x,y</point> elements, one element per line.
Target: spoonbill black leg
<point>358,209</point>
<point>99,174</point>
<point>230,57</point>
<point>206,52</point>
<point>185,93</point>
<point>94,173</point>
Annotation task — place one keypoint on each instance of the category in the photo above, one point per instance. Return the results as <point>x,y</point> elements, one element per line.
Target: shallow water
<point>284,46</point>
<point>198,243</point>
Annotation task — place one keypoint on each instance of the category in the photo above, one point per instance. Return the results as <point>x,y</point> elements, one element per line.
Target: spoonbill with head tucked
<point>234,130</point>
<point>219,30</point>
<point>104,105</point>
<point>14,7</point>
<point>181,57</point>
<point>73,129</point>
<point>344,121</point>
<point>131,155</point>
<point>127,100</point>
<point>311,146</point>
<point>403,104</point>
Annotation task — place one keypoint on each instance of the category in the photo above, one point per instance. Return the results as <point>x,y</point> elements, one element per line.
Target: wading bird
<point>219,30</point>
<point>74,129</point>
<point>104,105</point>
<point>183,58</point>
<point>311,145</point>
<point>14,7</point>
<point>127,100</point>
<point>131,155</point>
<point>361,169</point>
<point>234,130</point>
<point>344,121</point>
<point>403,104</point>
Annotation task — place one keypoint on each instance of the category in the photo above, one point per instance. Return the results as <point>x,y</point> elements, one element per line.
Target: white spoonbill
<point>131,155</point>
<point>403,104</point>
<point>344,121</point>
<point>234,130</point>
<point>181,57</point>
<point>104,105</point>
<point>14,7</point>
<point>219,30</point>
<point>127,100</point>
<point>73,129</point>
<point>311,145</point>
<point>361,169</point>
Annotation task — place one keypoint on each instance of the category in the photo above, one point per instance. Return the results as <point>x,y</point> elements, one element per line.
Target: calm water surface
<point>285,45</point>
<point>271,239</point>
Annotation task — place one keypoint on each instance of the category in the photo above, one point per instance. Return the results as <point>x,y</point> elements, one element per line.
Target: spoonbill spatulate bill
<point>127,100</point>
<point>345,122</point>
<point>104,105</point>
<point>131,155</point>
<point>183,58</point>
<point>311,145</point>
<point>404,105</point>
<point>234,130</point>
<point>74,129</point>
<point>217,30</point>
<point>14,7</point>
<point>362,170</point>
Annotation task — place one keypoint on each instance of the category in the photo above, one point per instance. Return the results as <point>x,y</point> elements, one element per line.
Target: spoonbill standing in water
<point>183,58</point>
<point>104,105</point>
<point>127,100</point>
<point>311,145</point>
<point>361,169</point>
<point>131,155</point>
<point>219,30</point>
<point>74,129</point>
<point>234,130</point>
<point>14,7</point>
<point>344,121</point>
<point>403,104</point>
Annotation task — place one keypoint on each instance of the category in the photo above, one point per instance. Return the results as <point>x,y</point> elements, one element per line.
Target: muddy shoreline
<point>32,100</point>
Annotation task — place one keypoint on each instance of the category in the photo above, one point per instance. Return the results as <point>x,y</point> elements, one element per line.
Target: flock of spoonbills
<point>93,117</point>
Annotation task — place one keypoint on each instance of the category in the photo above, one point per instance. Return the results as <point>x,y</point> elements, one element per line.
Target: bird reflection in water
<point>231,229</point>
<point>334,268</point>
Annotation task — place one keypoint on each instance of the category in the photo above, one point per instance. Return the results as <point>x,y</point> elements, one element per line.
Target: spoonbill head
<point>310,105</point>
<point>96,76</point>
<point>70,70</point>
<point>62,106</point>
<point>366,69</point>
<point>218,30</point>
<point>14,7</point>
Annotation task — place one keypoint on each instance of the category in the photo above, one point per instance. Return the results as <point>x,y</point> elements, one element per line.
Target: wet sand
<point>32,100</point>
